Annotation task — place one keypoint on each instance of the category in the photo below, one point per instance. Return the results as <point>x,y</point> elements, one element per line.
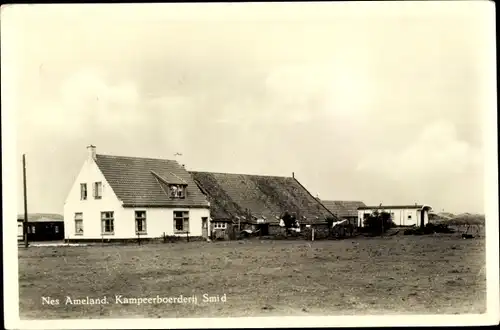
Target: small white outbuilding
<point>401,215</point>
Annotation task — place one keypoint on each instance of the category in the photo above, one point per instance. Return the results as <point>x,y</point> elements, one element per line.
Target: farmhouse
<point>41,227</point>
<point>401,215</point>
<point>115,197</point>
<point>344,209</point>
<point>258,202</point>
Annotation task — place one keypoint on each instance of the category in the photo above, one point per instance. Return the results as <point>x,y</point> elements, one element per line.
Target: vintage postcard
<point>249,165</point>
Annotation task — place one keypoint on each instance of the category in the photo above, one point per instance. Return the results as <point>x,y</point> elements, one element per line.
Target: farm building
<point>41,227</point>
<point>115,197</point>
<point>401,215</point>
<point>257,202</point>
<point>344,209</point>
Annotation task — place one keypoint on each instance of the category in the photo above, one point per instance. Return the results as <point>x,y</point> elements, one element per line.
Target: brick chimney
<point>91,150</point>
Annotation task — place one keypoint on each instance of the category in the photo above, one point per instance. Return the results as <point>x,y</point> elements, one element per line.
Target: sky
<point>378,102</point>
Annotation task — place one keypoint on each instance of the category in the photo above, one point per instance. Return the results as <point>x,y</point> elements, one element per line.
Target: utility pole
<point>25,232</point>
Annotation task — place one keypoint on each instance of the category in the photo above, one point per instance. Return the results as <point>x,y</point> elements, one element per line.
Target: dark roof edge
<point>40,220</point>
<point>319,202</point>
<point>378,207</point>
<point>166,206</point>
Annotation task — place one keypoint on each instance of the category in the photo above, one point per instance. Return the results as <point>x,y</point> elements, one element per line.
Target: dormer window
<point>177,191</point>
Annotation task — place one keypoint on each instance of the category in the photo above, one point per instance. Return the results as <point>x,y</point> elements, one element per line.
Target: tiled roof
<point>343,208</point>
<point>235,195</point>
<point>136,183</point>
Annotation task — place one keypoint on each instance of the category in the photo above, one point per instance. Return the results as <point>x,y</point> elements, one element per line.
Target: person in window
<point>174,191</point>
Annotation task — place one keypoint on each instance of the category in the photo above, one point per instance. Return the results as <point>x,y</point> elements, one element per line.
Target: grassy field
<point>398,274</point>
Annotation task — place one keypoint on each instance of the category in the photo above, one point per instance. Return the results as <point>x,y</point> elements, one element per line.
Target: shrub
<point>438,228</point>
<point>378,223</point>
<point>430,228</point>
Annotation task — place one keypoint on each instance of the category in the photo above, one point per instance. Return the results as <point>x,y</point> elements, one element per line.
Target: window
<point>220,225</point>
<point>107,219</point>
<point>78,223</point>
<point>181,221</point>
<point>83,191</point>
<point>409,216</point>
<point>97,190</point>
<point>177,191</point>
<point>33,229</point>
<point>56,229</point>
<point>140,222</point>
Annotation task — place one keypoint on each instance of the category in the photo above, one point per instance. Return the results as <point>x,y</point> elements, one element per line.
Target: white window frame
<point>97,190</point>
<point>78,219</point>
<point>108,216</point>
<point>184,215</point>
<point>83,191</point>
<point>140,218</point>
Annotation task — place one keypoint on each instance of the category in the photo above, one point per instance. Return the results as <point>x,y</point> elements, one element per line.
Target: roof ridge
<point>317,201</point>
<point>227,173</point>
<point>135,157</point>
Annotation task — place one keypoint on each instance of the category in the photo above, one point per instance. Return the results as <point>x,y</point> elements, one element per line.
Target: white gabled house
<point>116,197</point>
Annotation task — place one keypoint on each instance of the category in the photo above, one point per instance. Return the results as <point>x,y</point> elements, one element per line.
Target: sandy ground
<point>391,275</point>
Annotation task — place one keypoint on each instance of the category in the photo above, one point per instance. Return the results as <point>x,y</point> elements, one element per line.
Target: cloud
<point>436,154</point>
<point>328,89</point>
<point>86,100</point>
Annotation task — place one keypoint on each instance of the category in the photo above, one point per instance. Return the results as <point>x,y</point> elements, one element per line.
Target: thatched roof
<point>251,197</point>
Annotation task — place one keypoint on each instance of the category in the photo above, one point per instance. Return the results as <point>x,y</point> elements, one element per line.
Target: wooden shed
<point>42,227</point>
